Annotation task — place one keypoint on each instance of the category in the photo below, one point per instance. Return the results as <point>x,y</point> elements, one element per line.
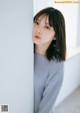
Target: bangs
<point>48,14</point>
<point>50,19</point>
<point>38,16</point>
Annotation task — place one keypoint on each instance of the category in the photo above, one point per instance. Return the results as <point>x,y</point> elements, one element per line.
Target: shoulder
<point>56,70</point>
<point>56,65</point>
<point>56,73</point>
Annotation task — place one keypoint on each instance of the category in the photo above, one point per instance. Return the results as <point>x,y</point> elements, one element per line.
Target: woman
<point>49,56</point>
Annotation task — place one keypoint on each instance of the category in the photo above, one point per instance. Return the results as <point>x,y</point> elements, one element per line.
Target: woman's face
<point>43,33</point>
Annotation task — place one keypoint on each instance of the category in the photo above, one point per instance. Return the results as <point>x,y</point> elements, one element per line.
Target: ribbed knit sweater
<point>48,79</point>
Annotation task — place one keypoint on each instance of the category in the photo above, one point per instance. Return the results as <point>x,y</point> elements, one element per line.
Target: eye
<point>47,27</point>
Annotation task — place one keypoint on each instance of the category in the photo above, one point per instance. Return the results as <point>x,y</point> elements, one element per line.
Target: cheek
<point>47,36</point>
<point>33,31</point>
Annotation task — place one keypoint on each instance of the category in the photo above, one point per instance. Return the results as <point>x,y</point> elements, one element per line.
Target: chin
<point>36,42</point>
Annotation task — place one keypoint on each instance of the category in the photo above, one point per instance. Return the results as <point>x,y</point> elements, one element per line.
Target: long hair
<point>57,48</point>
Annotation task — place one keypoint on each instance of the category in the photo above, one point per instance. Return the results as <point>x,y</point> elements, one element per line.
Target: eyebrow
<point>45,22</point>
<point>37,19</point>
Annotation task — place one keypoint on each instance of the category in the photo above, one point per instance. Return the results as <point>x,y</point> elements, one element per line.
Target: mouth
<point>37,37</point>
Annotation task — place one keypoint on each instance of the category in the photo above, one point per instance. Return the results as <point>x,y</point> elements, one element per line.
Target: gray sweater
<point>48,78</point>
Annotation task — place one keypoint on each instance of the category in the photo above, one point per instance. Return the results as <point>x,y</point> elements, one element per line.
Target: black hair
<point>57,48</point>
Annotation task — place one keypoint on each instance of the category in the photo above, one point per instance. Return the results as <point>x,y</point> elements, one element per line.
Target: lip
<point>37,37</point>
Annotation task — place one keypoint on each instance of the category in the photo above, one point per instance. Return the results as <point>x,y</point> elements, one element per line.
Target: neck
<point>41,49</point>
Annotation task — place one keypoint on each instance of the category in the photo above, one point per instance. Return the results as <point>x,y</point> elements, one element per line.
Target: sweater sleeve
<point>51,90</point>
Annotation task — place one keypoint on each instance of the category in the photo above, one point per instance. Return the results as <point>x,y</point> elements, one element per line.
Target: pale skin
<point>42,35</point>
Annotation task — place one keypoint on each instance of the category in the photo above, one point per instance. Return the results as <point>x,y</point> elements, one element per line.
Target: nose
<point>39,30</point>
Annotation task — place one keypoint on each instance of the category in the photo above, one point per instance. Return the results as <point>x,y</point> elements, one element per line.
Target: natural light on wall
<point>71,15</point>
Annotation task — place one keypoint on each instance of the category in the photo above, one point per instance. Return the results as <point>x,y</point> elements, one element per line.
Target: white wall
<point>78,39</point>
<point>39,4</point>
<point>16,55</point>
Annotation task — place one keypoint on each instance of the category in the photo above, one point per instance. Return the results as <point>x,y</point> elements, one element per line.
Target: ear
<point>54,38</point>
